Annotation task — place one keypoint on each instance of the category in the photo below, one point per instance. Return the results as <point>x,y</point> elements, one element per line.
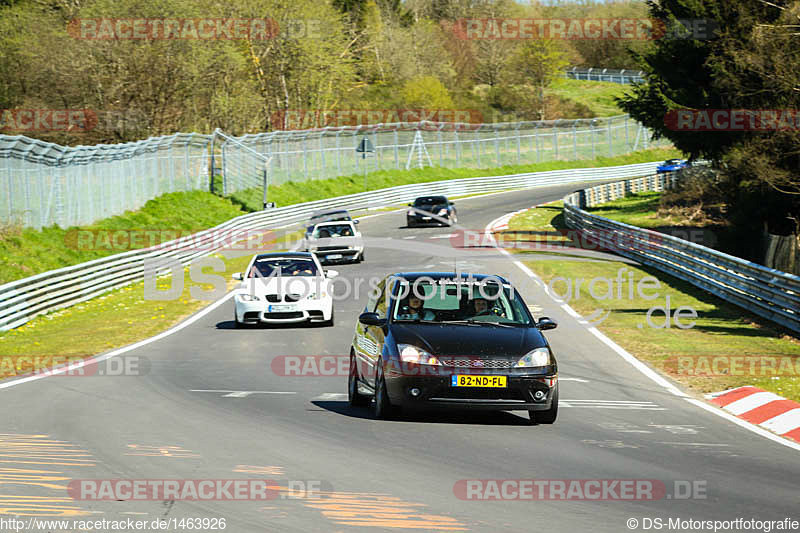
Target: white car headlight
<point>410,212</point>
<point>442,212</point>
<point>412,354</point>
<point>246,297</point>
<point>535,358</point>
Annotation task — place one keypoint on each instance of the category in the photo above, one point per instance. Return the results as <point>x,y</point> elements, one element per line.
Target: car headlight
<point>537,357</point>
<point>312,248</point>
<point>410,212</point>
<point>442,212</point>
<point>412,354</point>
<point>247,297</point>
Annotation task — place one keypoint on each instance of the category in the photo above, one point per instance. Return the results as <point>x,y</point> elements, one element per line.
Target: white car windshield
<point>289,266</point>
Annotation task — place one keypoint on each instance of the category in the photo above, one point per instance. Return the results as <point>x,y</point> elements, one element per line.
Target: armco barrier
<point>766,292</point>
<point>24,299</point>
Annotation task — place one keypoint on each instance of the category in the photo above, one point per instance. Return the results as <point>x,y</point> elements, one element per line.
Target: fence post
<point>608,136</point>
<point>575,139</point>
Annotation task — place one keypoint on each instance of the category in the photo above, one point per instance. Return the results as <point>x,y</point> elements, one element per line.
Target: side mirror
<point>452,204</point>
<point>238,275</point>
<point>371,319</point>
<point>410,205</point>
<point>546,323</point>
<point>330,274</point>
<point>356,221</point>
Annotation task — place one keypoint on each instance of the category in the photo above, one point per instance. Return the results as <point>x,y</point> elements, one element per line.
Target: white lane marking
<point>784,422</point>
<point>241,393</point>
<point>119,351</point>
<point>409,237</point>
<point>611,404</point>
<point>751,402</point>
<point>448,236</point>
<point>579,380</point>
<point>331,396</point>
<point>651,374</point>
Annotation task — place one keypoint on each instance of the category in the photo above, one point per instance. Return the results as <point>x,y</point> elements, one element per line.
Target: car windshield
<point>457,301</point>
<point>334,230</point>
<point>288,266</point>
<point>672,161</point>
<point>430,200</point>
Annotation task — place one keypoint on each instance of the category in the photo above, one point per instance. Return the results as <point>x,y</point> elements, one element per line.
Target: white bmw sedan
<point>284,287</point>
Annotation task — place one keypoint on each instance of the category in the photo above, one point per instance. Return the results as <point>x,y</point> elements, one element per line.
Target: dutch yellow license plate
<point>479,381</point>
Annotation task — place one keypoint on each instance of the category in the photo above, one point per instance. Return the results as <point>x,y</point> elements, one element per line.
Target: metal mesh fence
<point>44,184</point>
<point>605,74</point>
<point>329,152</point>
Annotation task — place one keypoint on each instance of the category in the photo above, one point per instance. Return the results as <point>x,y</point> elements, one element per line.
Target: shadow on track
<point>433,416</point>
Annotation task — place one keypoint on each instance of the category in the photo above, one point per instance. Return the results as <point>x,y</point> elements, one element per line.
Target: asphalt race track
<point>211,407</point>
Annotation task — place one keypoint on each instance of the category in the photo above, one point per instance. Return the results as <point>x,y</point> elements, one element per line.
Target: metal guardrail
<point>625,76</point>
<point>24,299</point>
<point>766,292</point>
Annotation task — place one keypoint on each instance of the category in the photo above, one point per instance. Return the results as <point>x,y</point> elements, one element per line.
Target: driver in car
<point>412,310</point>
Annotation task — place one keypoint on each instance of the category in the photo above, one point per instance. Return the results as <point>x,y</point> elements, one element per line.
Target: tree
<point>537,63</point>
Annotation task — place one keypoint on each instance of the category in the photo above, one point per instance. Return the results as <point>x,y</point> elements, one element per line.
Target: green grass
<point>721,329</point>
<point>28,251</point>
<point>598,96</point>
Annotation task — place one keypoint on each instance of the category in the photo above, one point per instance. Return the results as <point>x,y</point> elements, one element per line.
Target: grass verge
<point>597,96</point>
<point>725,348</point>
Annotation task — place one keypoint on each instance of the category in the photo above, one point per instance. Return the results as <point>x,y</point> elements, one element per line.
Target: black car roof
<point>411,276</point>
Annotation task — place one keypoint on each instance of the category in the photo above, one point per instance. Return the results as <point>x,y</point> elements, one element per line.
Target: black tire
<point>381,406</point>
<point>354,398</point>
<point>361,258</point>
<point>549,416</point>
<point>236,323</point>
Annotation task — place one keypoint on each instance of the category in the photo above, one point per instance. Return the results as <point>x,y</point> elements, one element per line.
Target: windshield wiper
<point>473,322</point>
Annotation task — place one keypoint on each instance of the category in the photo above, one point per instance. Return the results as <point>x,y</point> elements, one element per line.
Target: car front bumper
<point>254,312</point>
<point>437,391</point>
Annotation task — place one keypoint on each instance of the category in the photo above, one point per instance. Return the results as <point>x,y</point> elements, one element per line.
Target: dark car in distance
<point>327,215</point>
<point>446,340</point>
<point>431,210</point>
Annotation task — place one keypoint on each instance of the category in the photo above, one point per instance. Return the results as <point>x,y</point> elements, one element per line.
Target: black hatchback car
<point>431,210</point>
<point>464,341</point>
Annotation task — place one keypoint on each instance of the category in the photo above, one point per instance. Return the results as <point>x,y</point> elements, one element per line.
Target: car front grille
<point>276,298</point>
<point>294,314</point>
<point>475,362</point>
<point>332,248</point>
